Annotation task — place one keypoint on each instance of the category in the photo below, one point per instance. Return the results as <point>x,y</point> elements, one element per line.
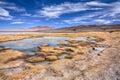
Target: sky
<point>58,13</point>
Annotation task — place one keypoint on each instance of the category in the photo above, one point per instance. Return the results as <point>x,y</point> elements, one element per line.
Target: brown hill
<point>87,28</point>
<point>38,28</point>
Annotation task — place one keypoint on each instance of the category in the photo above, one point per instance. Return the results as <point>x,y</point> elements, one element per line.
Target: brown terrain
<point>81,62</point>
<point>38,28</point>
<point>89,28</point>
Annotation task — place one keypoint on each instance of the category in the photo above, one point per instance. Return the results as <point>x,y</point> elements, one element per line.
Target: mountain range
<point>37,28</point>
<point>81,28</point>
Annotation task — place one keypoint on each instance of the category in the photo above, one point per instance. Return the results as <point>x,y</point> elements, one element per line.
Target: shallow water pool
<point>30,44</point>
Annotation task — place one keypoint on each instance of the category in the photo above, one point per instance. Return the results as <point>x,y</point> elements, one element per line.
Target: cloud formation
<point>109,12</point>
<point>63,13</point>
<point>11,6</point>
<point>17,22</point>
<point>55,11</point>
<point>4,12</point>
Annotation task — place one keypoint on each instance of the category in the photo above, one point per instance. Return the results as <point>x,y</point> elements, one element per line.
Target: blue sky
<point>58,13</point>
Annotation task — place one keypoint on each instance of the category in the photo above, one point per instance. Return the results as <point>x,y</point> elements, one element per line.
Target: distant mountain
<point>38,28</point>
<point>88,28</point>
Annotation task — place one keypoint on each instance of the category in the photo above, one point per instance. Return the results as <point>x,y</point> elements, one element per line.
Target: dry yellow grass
<point>34,59</point>
<point>9,55</point>
<point>22,36</point>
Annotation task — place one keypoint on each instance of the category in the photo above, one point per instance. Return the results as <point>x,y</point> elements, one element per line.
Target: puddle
<point>62,56</point>
<point>80,38</point>
<point>30,44</point>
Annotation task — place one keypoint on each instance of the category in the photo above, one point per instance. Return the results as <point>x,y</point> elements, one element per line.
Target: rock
<point>9,55</point>
<point>79,57</point>
<point>35,59</point>
<point>52,58</point>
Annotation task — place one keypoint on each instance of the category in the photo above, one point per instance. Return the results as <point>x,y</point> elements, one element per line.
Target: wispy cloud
<point>82,18</point>
<point>96,3</point>
<point>4,12</point>
<point>14,8</point>
<point>102,21</point>
<point>3,3</point>
<point>55,11</point>
<point>109,14</point>
<point>11,6</point>
<point>6,18</point>
<point>17,22</point>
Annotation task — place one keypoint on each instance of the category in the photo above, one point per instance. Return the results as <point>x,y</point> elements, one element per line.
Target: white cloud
<point>80,19</point>
<point>17,22</point>
<point>116,8</point>
<point>112,11</point>
<point>5,8</point>
<point>2,3</point>
<point>15,8</point>
<point>4,12</point>
<point>6,18</point>
<point>55,11</point>
<point>103,21</point>
<point>108,14</point>
<point>11,6</point>
<point>96,3</point>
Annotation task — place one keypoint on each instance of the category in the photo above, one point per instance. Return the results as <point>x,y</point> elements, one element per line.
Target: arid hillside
<point>100,28</point>
<point>38,28</point>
